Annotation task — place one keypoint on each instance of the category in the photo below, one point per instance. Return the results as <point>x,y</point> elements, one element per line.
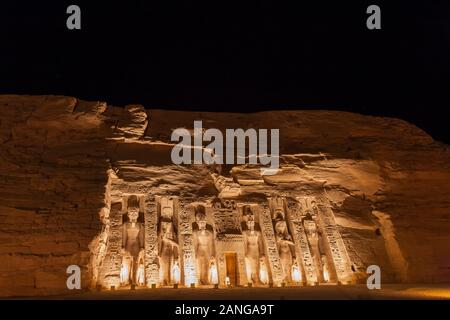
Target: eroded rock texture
<point>66,166</point>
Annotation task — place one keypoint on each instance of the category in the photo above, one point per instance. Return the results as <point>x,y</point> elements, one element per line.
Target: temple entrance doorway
<point>231,265</point>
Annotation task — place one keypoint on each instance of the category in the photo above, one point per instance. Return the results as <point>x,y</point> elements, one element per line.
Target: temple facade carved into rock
<point>160,241</point>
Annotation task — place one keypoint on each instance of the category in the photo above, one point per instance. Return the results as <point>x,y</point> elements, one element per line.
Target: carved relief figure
<point>168,252</point>
<point>204,249</point>
<point>254,251</point>
<point>286,249</point>
<point>132,245</point>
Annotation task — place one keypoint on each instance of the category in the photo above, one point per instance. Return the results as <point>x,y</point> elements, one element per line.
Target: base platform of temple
<point>323,292</point>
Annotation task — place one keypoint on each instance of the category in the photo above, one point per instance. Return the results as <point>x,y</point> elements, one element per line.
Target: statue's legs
<point>255,271</point>
<point>252,264</point>
<point>248,269</point>
<point>165,270</point>
<point>125,270</point>
<point>203,267</point>
<point>134,269</point>
<point>286,263</point>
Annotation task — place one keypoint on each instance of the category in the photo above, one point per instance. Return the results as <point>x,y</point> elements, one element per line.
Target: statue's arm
<point>173,242</point>
<point>292,247</point>
<point>175,252</point>
<point>279,242</point>
<point>288,238</point>
<point>159,244</point>
<point>213,245</point>
<point>245,242</point>
<point>261,245</point>
<point>124,236</point>
<point>195,241</point>
<point>141,237</point>
<point>321,248</point>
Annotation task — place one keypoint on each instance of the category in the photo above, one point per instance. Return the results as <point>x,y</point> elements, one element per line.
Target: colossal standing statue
<point>168,248</point>
<point>314,239</point>
<point>204,249</point>
<point>132,245</point>
<point>286,249</point>
<point>254,251</point>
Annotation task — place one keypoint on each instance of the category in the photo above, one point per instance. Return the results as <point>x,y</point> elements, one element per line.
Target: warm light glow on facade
<point>124,274</point>
<point>140,275</point>
<point>326,276</point>
<point>263,274</point>
<point>181,247</point>
<point>176,273</point>
<point>214,278</point>
<point>296,274</point>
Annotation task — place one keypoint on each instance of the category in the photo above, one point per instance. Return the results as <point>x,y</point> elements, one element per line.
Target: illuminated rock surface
<point>354,292</point>
<point>67,167</point>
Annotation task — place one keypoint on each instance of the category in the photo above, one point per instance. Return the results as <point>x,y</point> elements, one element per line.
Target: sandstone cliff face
<point>65,162</point>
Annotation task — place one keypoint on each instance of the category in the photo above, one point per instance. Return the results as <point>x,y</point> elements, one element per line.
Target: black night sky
<point>239,56</point>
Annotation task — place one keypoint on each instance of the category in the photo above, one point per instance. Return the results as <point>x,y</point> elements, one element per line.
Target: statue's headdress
<point>200,213</point>
<point>247,211</point>
<point>133,202</point>
<point>278,224</point>
<point>278,215</point>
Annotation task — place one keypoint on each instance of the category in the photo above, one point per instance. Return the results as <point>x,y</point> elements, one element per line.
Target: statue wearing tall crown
<point>254,250</point>
<point>286,249</point>
<point>168,251</point>
<point>132,246</point>
<point>204,249</point>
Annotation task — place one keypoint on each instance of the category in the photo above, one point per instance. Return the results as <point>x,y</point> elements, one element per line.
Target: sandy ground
<point>290,293</point>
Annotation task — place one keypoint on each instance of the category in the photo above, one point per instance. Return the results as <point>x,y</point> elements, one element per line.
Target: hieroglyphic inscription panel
<point>185,220</point>
<point>302,245</point>
<point>334,240</point>
<point>151,243</point>
<point>226,222</point>
<point>110,268</point>
<point>271,245</point>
